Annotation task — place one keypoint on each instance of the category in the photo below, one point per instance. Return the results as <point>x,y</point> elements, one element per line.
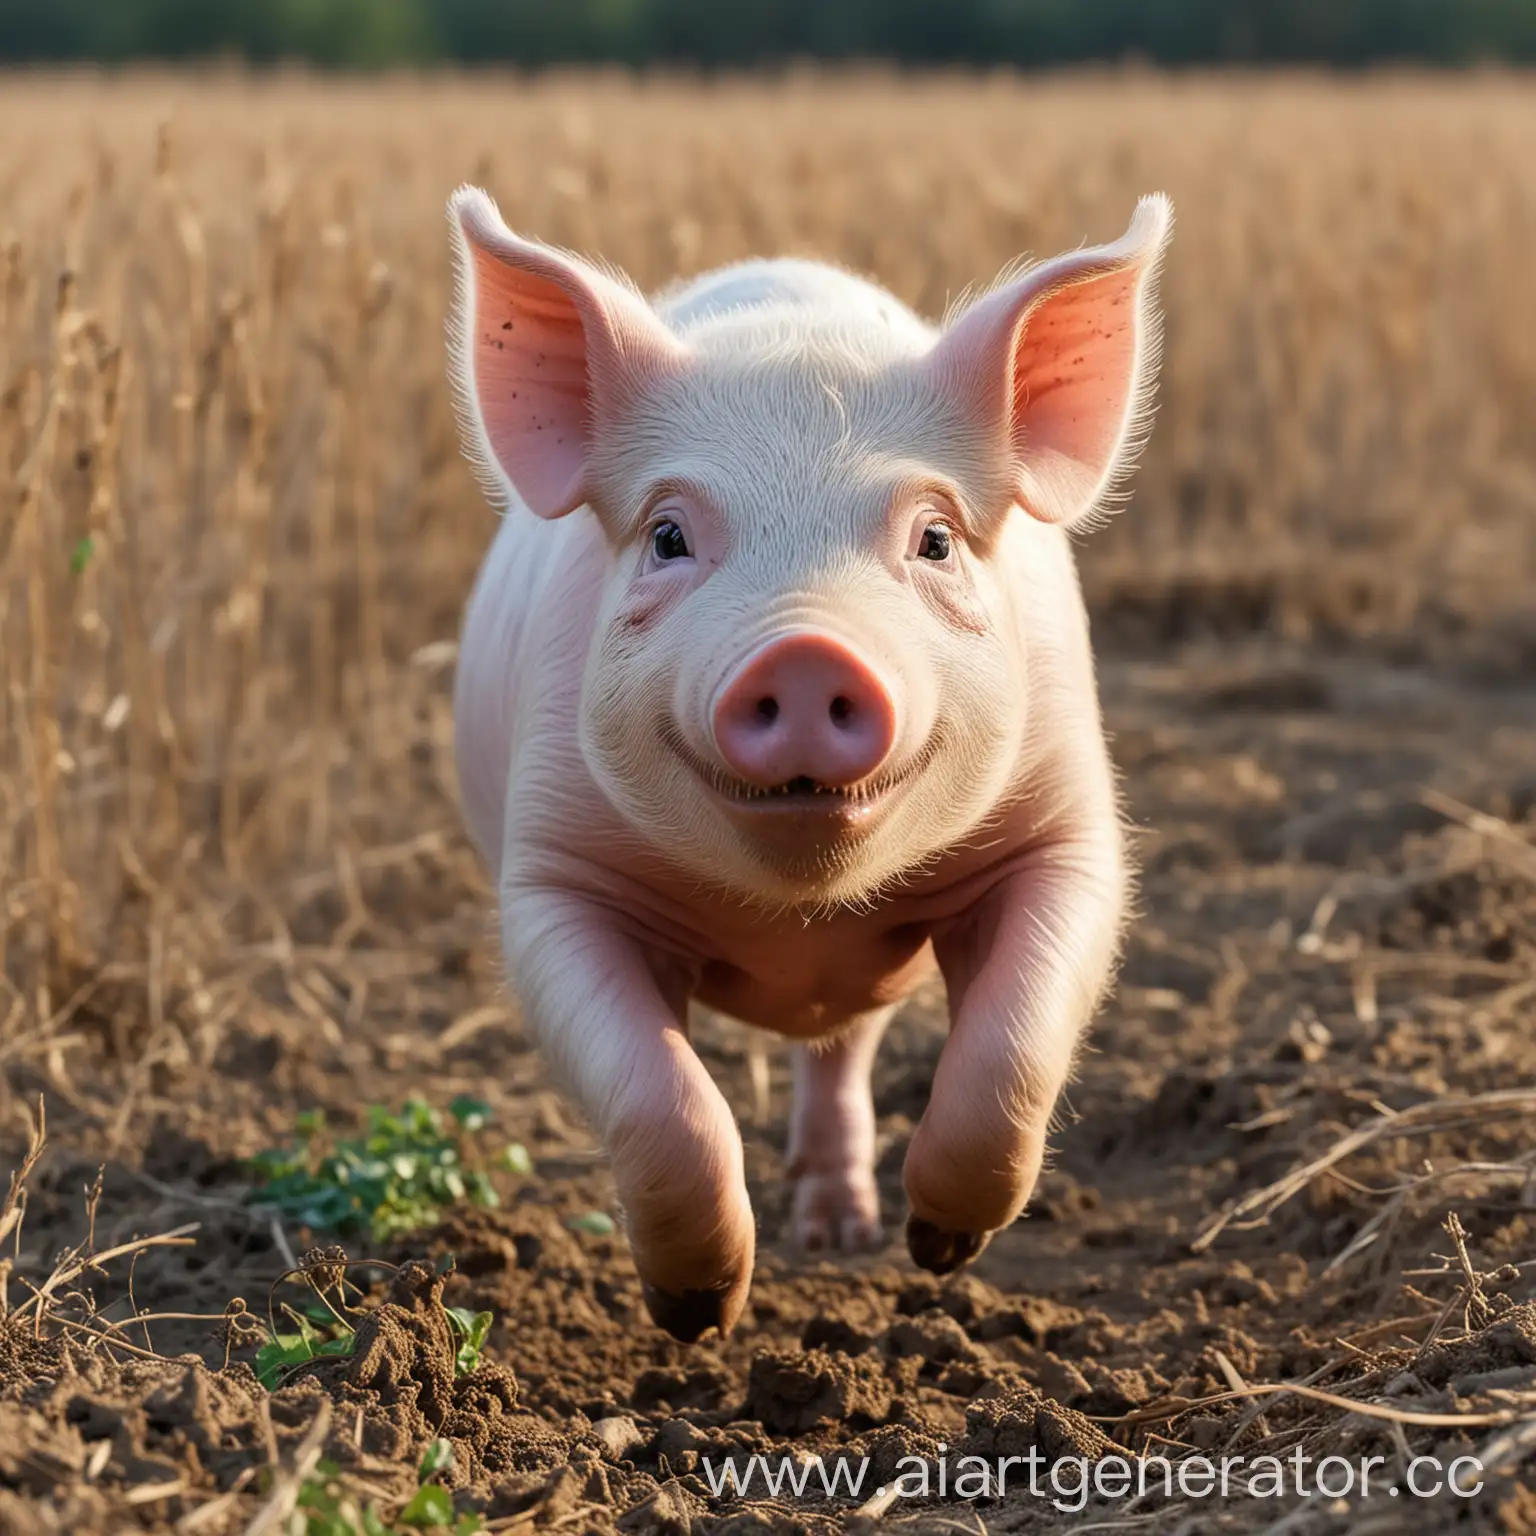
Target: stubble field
<point>235,537</point>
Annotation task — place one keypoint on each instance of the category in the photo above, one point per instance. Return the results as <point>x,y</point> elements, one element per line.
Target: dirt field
<point>233,887</point>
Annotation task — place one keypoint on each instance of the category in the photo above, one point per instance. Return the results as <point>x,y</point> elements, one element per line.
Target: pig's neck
<point>801,973</point>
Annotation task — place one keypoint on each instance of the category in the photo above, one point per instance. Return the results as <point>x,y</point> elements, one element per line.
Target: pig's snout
<point>805,706</point>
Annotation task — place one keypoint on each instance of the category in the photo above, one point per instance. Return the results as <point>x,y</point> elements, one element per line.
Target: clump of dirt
<point>1506,1345</point>
<point>400,1380</point>
<point>1019,1420</point>
<point>792,1391</point>
<point>1480,913</point>
<point>65,1407</point>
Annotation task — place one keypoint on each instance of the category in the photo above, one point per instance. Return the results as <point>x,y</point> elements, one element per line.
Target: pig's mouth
<point>847,804</point>
<point>794,788</point>
<point>804,794</point>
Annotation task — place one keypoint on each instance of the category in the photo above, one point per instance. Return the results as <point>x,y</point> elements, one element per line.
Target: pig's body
<point>973,829</point>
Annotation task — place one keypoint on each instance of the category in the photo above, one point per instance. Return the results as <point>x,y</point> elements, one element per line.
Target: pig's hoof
<point>836,1211</point>
<point>690,1315</point>
<point>939,1251</point>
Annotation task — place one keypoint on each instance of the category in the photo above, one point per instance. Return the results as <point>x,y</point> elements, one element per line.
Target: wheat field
<point>236,531</point>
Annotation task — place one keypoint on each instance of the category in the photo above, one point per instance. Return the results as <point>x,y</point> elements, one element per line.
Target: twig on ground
<point>15,1205</point>
<point>1503,841</point>
<point>1425,1119</point>
<point>1153,1412</point>
<point>1389,1213</point>
<point>1235,1381</point>
<point>74,1266</point>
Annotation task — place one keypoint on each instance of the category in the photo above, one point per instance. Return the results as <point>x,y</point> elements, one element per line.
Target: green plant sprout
<point>396,1178</point>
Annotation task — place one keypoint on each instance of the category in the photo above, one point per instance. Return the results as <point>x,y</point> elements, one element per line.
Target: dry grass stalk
<point>1420,1120</point>
<point>1382,1411</point>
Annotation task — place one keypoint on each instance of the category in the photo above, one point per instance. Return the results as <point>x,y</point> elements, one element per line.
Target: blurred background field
<point>236,534</point>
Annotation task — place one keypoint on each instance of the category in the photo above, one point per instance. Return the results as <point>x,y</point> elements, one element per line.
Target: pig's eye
<point>668,542</point>
<point>934,544</point>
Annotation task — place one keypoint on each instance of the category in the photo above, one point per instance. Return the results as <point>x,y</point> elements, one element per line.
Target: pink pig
<point>776,692</point>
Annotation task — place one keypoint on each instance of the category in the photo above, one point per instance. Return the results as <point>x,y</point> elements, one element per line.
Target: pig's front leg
<point>832,1140</point>
<point>1024,972</point>
<point>612,1022</point>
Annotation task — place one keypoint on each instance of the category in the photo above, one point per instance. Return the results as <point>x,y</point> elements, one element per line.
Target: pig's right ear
<point>542,348</point>
<point>1058,367</point>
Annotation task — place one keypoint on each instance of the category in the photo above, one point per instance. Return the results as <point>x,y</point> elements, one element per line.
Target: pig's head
<point>808,673</point>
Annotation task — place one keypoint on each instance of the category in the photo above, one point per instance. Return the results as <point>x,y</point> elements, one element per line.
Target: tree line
<point>733,33</point>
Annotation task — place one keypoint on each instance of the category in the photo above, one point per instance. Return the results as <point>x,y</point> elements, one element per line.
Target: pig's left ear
<point>543,347</point>
<point>1061,364</point>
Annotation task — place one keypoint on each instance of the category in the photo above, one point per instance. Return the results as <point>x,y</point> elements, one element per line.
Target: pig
<point>775,692</point>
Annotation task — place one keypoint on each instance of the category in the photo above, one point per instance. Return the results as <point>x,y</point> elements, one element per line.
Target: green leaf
<point>468,1524</point>
<point>80,555</point>
<point>277,1354</point>
<point>598,1223</point>
<point>394,1180</point>
<point>372,1524</point>
<point>285,1350</point>
<point>473,1325</point>
<point>331,1210</point>
<point>472,1114</point>
<point>515,1159</point>
<point>438,1457</point>
<point>277,1162</point>
<point>482,1191</point>
<point>315,1495</point>
<point>420,1119</point>
<point>472,1328</point>
<point>433,1505</point>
